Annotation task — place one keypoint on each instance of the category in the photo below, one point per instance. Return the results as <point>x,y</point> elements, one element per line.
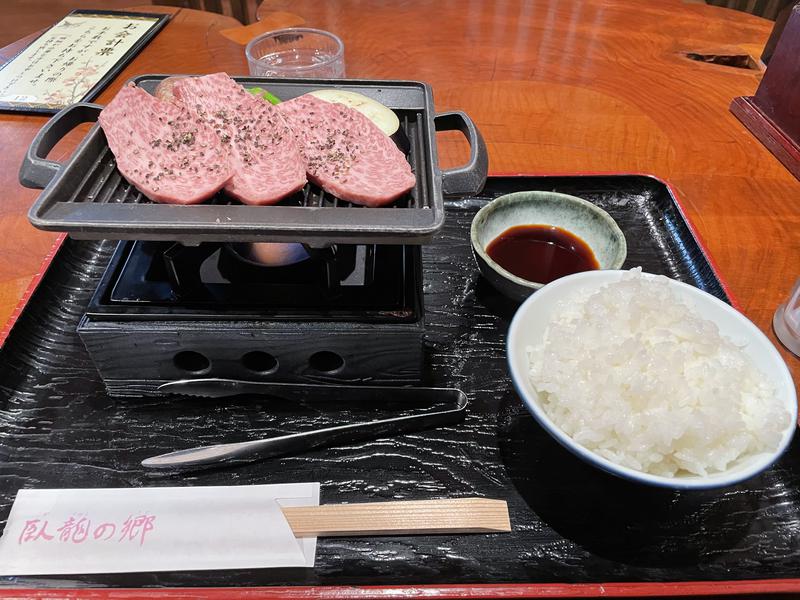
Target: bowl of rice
<point>652,379</point>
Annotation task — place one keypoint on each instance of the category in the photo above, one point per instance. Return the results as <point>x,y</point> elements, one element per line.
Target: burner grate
<point>166,281</point>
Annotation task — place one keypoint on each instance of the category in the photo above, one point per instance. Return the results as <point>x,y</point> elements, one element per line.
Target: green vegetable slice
<point>264,95</point>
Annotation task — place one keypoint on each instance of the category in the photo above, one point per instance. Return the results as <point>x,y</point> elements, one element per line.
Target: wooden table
<point>582,86</point>
<point>190,43</point>
<point>555,86</point>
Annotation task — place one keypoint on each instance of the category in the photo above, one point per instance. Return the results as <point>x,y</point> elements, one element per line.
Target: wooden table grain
<point>556,87</point>
<point>190,43</point>
<point>586,86</point>
<point>600,86</point>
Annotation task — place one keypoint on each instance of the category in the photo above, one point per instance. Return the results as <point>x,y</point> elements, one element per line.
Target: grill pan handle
<point>37,171</point>
<point>470,178</point>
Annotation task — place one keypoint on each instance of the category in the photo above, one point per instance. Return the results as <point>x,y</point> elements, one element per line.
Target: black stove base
<point>134,358</point>
<point>141,331</point>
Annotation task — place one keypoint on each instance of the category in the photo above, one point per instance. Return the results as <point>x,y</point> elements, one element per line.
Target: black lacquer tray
<point>571,523</point>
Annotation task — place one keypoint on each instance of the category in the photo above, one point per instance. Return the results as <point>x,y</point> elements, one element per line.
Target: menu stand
<point>773,113</point>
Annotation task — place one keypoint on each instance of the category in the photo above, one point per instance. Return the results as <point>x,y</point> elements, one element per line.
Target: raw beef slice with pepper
<point>266,160</point>
<point>347,154</point>
<point>162,150</point>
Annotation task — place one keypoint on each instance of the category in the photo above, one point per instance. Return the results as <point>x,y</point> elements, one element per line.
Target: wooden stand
<point>773,113</point>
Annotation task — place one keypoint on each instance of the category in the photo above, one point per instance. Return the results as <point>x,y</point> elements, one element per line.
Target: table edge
<point>442,591</point>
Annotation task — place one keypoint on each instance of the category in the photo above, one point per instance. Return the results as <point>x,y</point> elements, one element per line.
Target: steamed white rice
<point>631,373</point>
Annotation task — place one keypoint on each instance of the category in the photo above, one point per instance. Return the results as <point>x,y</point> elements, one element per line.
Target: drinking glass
<point>296,52</point>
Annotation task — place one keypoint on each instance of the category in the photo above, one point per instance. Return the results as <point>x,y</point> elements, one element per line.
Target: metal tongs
<point>300,442</point>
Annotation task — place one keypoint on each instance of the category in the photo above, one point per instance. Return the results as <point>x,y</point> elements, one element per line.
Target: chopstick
<point>413,517</point>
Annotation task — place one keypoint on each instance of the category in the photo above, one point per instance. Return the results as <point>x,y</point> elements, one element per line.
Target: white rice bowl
<point>652,379</point>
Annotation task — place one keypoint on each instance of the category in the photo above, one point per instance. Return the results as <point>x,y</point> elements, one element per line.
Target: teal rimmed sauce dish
<point>581,218</point>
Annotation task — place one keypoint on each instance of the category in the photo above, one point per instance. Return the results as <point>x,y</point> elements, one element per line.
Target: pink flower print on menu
<point>136,526</point>
<point>83,72</point>
<point>34,530</point>
<point>76,86</point>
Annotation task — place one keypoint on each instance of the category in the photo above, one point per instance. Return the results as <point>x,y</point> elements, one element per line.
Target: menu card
<point>73,60</point>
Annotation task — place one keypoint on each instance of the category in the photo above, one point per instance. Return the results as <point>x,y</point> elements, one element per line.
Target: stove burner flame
<point>272,254</point>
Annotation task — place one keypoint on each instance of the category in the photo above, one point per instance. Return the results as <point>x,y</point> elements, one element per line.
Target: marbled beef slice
<point>162,150</point>
<point>265,156</point>
<point>347,154</point>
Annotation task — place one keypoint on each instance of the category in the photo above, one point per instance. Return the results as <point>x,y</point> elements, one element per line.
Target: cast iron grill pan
<point>88,198</point>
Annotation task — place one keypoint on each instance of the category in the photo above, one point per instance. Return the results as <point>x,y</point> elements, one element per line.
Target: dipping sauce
<point>541,253</point>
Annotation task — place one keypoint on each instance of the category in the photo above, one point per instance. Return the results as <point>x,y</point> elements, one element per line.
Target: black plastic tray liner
<point>571,523</point>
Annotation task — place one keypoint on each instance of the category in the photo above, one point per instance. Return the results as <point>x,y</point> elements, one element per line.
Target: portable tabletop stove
<point>182,296</point>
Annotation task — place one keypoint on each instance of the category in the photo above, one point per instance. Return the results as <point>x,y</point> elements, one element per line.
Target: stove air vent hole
<point>326,362</point>
<point>260,362</point>
<point>192,362</point>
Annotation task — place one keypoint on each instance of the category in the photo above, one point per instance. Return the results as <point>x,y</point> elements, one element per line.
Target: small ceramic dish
<point>580,217</point>
<point>528,328</point>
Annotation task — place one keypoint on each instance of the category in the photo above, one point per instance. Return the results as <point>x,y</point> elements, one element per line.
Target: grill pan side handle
<point>470,178</point>
<point>37,171</point>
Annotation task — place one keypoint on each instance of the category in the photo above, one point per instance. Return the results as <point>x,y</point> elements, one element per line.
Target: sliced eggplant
<point>376,112</point>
